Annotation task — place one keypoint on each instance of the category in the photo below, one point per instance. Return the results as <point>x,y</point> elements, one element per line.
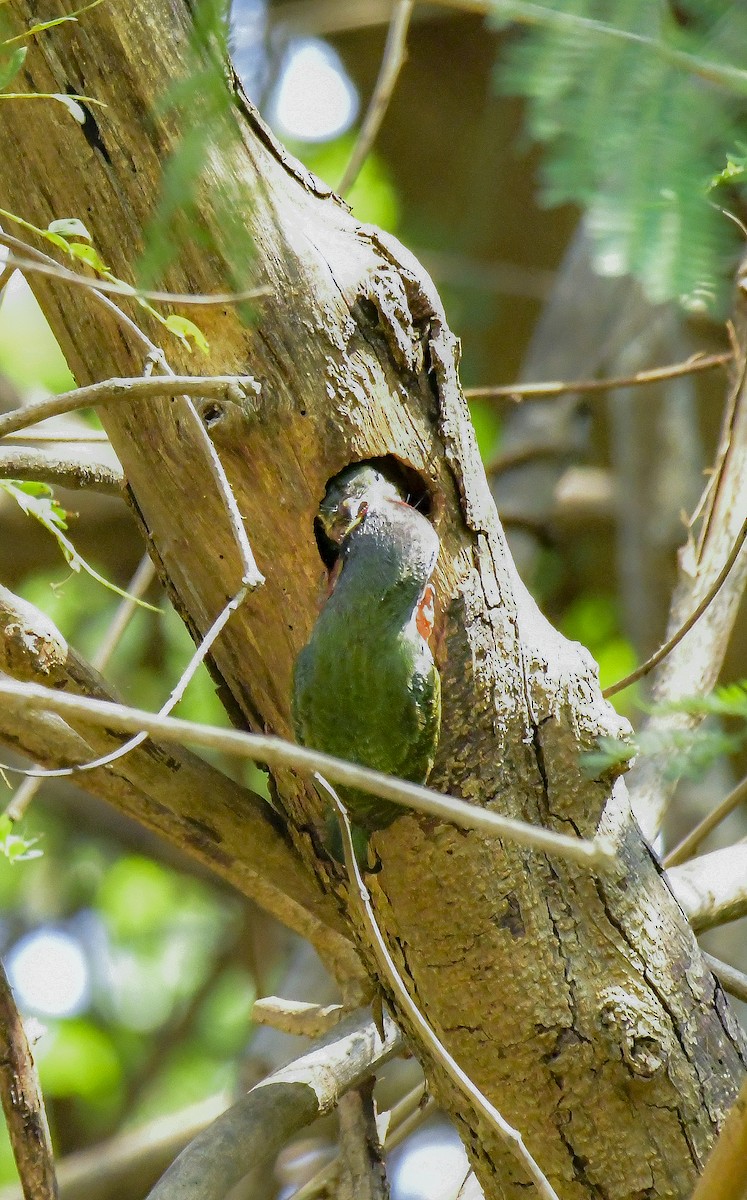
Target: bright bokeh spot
<point>314,100</point>
<point>29,354</point>
<point>49,974</point>
<point>432,1163</point>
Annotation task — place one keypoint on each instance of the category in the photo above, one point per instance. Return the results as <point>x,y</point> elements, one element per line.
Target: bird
<point>365,686</point>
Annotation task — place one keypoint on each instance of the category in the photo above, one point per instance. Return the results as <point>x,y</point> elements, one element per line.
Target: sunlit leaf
<point>187,331</point>
<point>89,255</point>
<point>37,500</point>
<point>69,227</point>
<point>13,845</point>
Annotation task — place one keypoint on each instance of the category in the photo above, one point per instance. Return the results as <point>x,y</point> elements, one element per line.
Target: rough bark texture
<point>581,1006</point>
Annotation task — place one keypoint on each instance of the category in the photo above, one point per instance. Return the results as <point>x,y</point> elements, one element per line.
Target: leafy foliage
<point>37,501</point>
<point>638,108</point>
<point>685,752</point>
<point>59,233</point>
<point>13,845</point>
<point>205,104</point>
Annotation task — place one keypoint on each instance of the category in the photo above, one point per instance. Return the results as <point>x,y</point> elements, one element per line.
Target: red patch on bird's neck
<point>425,613</point>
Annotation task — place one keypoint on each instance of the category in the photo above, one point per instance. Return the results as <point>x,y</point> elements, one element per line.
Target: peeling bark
<point>581,1006</point>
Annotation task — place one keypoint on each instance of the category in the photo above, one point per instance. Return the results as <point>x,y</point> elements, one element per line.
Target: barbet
<point>366,687</point>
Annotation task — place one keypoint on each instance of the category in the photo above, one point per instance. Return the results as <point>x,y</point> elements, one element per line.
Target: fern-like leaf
<point>639,115</point>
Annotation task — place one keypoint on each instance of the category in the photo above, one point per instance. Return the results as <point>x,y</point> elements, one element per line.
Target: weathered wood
<point>581,1006</point>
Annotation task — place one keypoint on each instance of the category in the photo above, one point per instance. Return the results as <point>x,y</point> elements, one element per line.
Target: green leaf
<point>187,331</point>
<point>730,700</point>
<point>37,501</point>
<point>11,66</point>
<point>634,134</point>
<point>610,755</point>
<point>14,846</point>
<point>57,240</point>
<point>89,255</point>
<point>69,227</point>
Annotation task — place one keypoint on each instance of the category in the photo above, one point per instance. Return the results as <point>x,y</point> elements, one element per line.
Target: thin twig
<point>733,981</point>
<point>176,695</point>
<point>57,271</point>
<point>391,65</point>
<point>23,1105</point>
<point>667,647</point>
<point>46,466</point>
<point>275,753</point>
<point>59,437</point>
<point>520,392</point>
<point>387,966</point>
<point>235,388</point>
<point>689,844</point>
<point>136,589</point>
<point>250,574</point>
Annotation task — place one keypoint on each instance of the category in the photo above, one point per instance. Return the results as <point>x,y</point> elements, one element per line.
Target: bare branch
<point>688,846</point>
<point>692,668</point>
<point>167,789</point>
<point>406,1116</point>
<point>391,65</point>
<point>70,471</point>
<point>23,1104</point>
<point>60,437</point>
<point>732,980</point>
<point>520,392</point>
<point>712,889</point>
<point>235,389</point>
<point>57,271</point>
<point>255,1128</point>
<point>126,609</point>
<point>362,1174</point>
<point>275,752</point>
<point>668,646</point>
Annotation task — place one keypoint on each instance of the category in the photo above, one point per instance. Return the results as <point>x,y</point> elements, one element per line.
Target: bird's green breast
<point>365,686</point>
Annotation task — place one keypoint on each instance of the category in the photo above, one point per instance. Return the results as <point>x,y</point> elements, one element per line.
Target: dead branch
<point>668,646</point>
<point>689,844</point>
<point>68,470</point>
<point>234,389</point>
<point>519,392</point>
<point>712,889</point>
<point>692,666</point>
<point>275,753</point>
<point>392,62</point>
<point>255,1128</point>
<point>23,1104</point>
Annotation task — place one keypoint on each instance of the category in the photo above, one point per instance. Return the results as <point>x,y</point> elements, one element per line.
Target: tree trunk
<point>579,1004</point>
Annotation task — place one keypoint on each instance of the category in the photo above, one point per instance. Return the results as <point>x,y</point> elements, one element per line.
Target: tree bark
<point>580,1005</point>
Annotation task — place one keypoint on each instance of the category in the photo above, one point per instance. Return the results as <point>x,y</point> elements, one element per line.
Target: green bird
<point>365,686</point>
